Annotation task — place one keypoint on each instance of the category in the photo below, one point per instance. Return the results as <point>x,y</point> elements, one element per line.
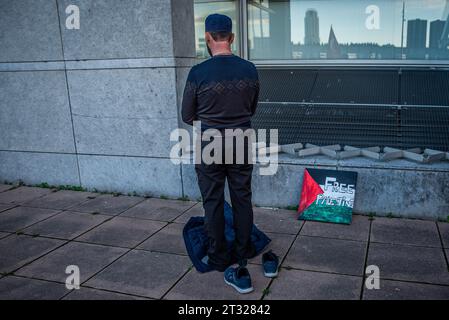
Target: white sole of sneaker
<point>271,275</point>
<point>239,290</point>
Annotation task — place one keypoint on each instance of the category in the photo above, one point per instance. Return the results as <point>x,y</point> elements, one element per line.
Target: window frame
<point>244,52</point>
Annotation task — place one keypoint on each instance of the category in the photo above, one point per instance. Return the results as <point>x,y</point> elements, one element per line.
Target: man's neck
<point>223,53</point>
<point>222,50</point>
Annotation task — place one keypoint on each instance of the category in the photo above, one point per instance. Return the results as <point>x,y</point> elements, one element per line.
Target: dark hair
<point>221,36</point>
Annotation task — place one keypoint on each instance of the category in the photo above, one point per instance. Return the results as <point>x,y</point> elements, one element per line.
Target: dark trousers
<point>211,180</point>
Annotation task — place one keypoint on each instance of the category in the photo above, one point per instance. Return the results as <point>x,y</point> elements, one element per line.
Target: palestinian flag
<point>327,195</point>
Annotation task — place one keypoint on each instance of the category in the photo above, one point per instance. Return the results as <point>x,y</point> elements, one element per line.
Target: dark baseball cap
<point>218,23</point>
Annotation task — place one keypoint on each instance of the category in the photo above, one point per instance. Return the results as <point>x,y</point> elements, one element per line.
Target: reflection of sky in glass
<point>348,18</point>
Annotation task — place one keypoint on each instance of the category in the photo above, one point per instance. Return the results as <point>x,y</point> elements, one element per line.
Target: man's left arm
<point>256,95</point>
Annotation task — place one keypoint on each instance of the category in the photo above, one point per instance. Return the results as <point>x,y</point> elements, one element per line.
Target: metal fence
<point>400,109</point>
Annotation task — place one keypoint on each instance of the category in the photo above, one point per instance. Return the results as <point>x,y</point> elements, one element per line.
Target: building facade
<point>436,33</point>
<point>311,28</point>
<point>95,106</point>
<point>416,34</point>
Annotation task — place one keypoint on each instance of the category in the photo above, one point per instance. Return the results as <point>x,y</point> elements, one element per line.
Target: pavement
<point>129,247</point>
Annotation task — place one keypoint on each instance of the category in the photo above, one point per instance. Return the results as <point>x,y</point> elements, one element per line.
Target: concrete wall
<point>94,106</point>
<point>399,188</point>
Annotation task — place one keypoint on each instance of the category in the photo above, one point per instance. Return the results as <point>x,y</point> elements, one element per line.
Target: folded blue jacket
<point>195,238</point>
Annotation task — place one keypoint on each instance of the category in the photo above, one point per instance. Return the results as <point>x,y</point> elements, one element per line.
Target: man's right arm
<point>256,95</point>
<point>189,103</point>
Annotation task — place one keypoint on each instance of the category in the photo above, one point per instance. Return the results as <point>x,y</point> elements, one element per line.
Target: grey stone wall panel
<point>34,112</point>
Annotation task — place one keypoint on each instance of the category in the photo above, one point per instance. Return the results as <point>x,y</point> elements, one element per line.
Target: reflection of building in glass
<point>312,28</point>
<point>416,34</point>
<point>367,51</point>
<point>444,42</point>
<point>280,29</point>
<point>262,48</point>
<point>201,49</point>
<point>290,29</point>
<point>436,31</point>
<point>333,50</point>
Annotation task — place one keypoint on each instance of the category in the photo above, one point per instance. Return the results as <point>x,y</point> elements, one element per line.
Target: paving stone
<point>159,209</point>
<point>142,273</point>
<point>22,194</point>
<point>277,220</point>
<point>405,231</point>
<point>63,199</point>
<point>328,255</point>
<point>195,211</point>
<point>400,262</point>
<point>16,251</point>
<point>169,239</point>
<point>122,232</point>
<point>4,207</point>
<point>89,258</point>
<point>107,204</point>
<point>280,243</point>
<point>5,187</point>
<point>94,294</point>
<point>397,290</point>
<point>21,217</point>
<point>67,225</point>
<point>444,232</point>
<point>358,230</point>
<point>15,288</point>
<point>211,286</point>
<point>306,285</point>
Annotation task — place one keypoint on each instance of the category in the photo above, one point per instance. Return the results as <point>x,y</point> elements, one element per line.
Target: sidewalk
<point>132,248</point>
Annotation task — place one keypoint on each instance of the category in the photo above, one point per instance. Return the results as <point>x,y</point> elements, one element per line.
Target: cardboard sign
<point>327,195</point>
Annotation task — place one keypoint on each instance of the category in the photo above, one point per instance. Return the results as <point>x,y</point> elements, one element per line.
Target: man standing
<point>222,93</point>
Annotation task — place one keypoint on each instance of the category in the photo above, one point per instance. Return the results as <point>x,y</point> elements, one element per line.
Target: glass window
<point>348,29</point>
<point>205,7</point>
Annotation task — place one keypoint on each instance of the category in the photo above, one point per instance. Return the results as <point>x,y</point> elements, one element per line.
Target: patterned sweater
<point>221,92</point>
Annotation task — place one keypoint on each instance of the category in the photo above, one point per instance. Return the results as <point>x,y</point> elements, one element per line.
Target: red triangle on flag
<point>309,193</point>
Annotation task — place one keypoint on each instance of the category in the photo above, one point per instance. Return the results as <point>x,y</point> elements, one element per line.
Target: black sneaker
<point>239,279</point>
<point>270,263</point>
